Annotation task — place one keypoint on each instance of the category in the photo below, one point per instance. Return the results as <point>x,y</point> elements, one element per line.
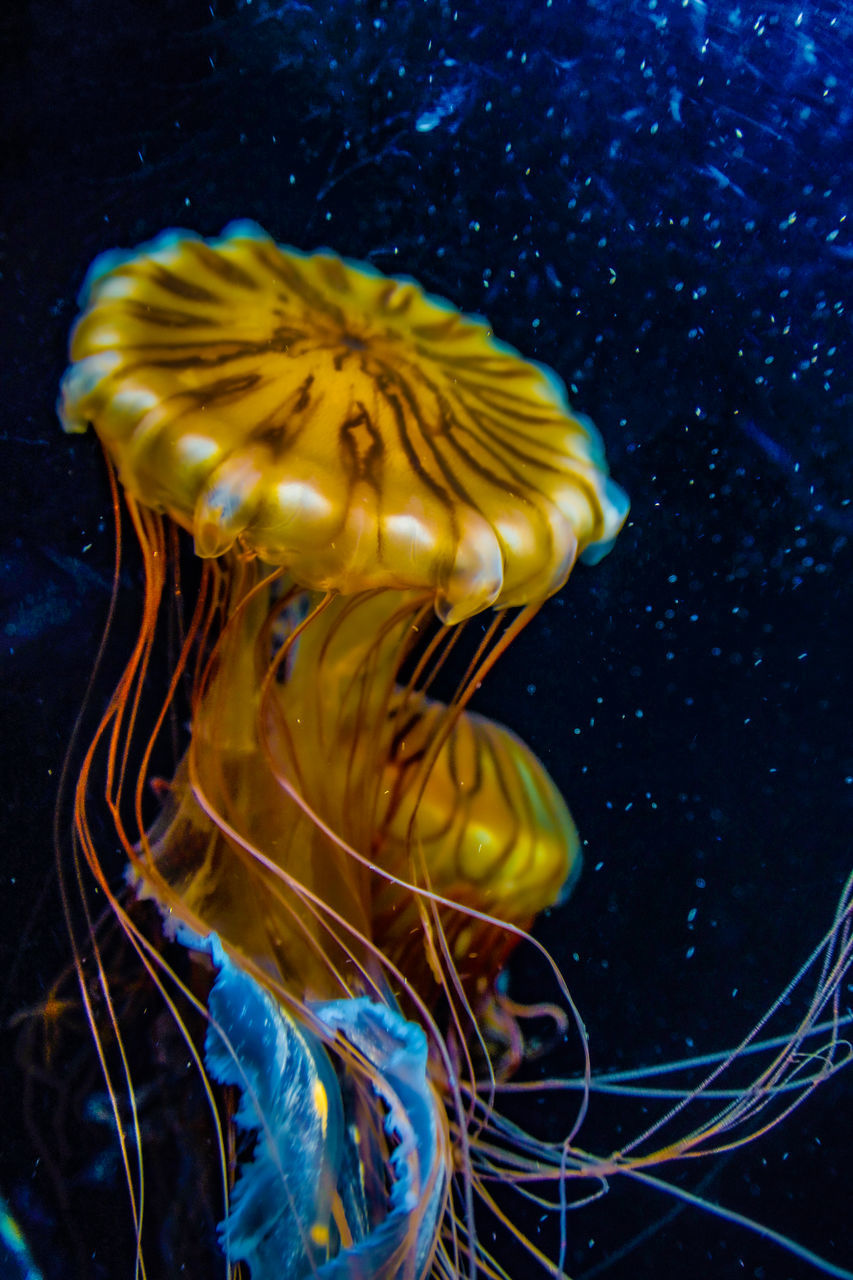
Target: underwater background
<point>654,199</point>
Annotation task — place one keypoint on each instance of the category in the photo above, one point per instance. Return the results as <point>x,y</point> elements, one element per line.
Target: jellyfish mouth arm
<point>279,1216</point>
<point>282,1214</point>
<point>396,1050</point>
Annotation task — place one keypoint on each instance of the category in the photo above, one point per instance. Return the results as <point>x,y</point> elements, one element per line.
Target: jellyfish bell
<point>362,470</point>
<point>322,416</point>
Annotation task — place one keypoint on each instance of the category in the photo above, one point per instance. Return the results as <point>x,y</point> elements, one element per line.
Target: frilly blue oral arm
<point>397,1050</point>
<point>279,1219</point>
<point>279,1216</point>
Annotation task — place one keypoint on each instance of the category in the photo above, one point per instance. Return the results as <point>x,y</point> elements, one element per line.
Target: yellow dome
<point>334,420</point>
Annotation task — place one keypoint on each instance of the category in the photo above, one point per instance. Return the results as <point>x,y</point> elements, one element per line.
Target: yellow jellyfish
<point>346,850</point>
<point>362,468</point>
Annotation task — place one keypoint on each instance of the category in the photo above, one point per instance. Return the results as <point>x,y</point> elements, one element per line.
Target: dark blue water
<point>655,200</point>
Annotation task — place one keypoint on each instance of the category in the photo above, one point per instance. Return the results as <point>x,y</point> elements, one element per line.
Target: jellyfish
<point>379,494</point>
<point>363,470</point>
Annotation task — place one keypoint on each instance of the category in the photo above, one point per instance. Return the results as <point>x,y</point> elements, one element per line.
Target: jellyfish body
<point>361,468</point>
